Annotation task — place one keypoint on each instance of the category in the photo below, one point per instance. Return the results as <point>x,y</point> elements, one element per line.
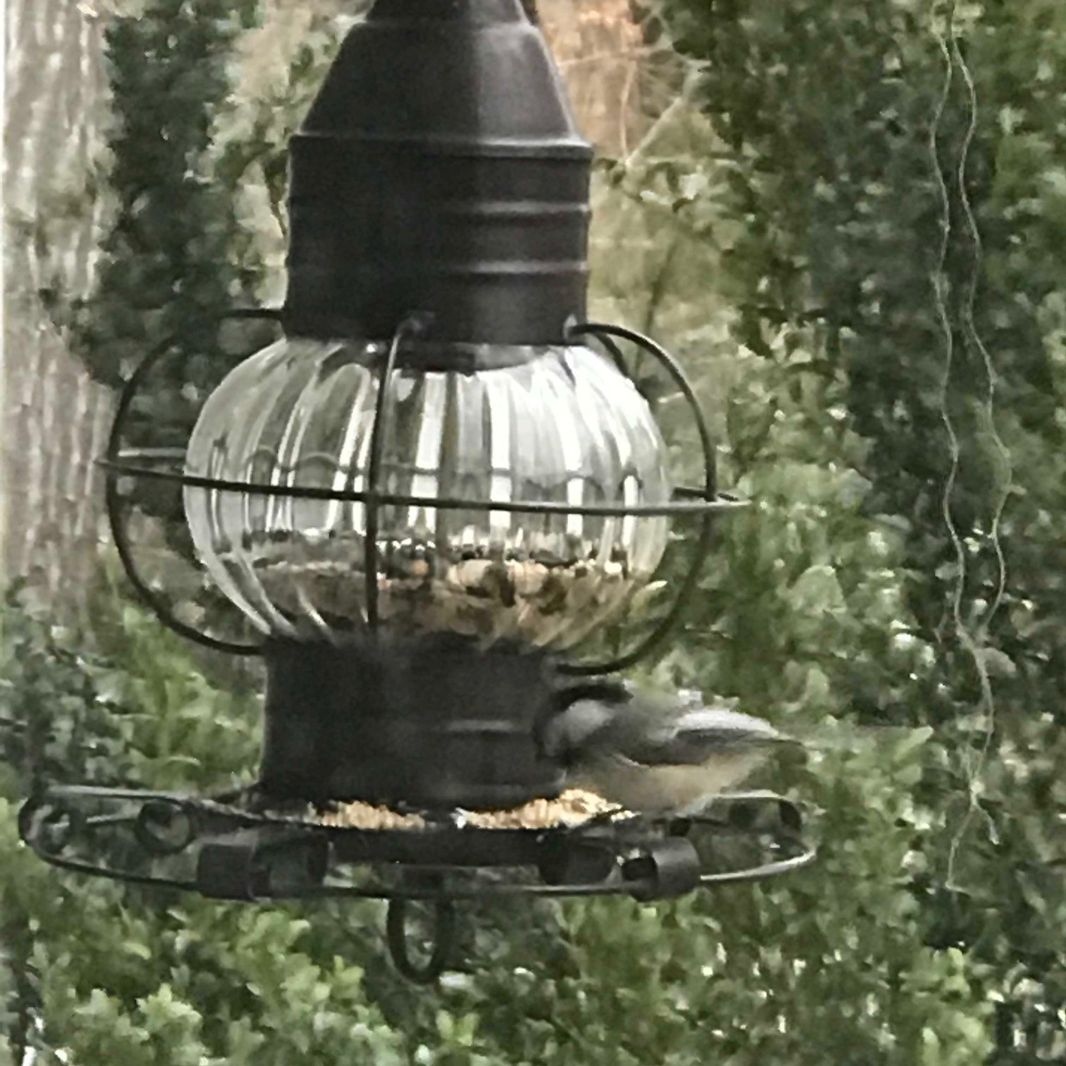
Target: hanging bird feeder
<point>426,498</point>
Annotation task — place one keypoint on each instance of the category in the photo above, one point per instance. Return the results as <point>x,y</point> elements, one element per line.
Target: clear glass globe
<point>565,426</point>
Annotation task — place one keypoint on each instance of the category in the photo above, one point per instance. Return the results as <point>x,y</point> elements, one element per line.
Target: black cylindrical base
<point>432,721</point>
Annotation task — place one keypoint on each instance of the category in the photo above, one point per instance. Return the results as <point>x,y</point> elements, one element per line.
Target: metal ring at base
<point>396,931</point>
<point>236,841</point>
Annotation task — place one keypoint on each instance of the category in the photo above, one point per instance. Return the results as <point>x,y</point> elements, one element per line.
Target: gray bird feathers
<point>652,752</point>
<point>652,728</point>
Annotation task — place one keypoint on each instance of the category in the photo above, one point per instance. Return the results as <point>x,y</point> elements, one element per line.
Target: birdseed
<point>572,808</point>
<point>539,602</point>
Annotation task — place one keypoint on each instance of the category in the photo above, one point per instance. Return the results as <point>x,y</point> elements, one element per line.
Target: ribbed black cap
<point>440,170</point>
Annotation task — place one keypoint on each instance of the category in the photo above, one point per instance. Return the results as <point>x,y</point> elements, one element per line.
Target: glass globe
<point>564,426</point>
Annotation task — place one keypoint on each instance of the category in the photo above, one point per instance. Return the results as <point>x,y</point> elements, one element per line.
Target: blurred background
<point>848,220</point>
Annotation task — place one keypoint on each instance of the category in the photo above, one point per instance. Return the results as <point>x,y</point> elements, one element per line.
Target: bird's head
<point>576,713</point>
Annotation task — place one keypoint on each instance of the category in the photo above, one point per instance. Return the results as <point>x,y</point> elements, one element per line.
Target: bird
<point>652,753</point>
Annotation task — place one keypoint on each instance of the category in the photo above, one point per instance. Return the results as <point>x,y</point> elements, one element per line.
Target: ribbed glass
<point>566,426</point>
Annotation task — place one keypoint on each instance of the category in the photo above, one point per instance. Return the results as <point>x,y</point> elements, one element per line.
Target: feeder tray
<point>225,849</point>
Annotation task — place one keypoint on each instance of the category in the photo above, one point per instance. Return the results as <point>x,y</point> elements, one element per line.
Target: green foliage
<point>166,269</point>
<point>131,712</point>
<point>849,205</point>
<point>781,228</point>
<point>126,975</point>
<point>166,274</point>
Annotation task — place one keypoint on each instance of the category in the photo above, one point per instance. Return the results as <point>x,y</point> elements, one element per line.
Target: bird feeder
<point>425,498</point>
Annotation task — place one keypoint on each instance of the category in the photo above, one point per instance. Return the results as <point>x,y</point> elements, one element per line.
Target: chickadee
<point>654,753</point>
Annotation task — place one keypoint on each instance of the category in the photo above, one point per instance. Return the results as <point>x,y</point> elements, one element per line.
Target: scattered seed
<point>572,808</point>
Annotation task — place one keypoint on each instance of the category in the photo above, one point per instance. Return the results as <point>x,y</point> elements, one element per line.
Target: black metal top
<point>440,171</point>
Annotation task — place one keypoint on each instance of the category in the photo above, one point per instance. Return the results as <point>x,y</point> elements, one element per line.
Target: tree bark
<point>55,418</point>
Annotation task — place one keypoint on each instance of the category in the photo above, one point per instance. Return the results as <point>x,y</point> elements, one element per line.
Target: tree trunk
<point>55,419</point>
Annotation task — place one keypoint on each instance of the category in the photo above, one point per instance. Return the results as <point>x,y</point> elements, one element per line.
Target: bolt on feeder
<point>425,498</point>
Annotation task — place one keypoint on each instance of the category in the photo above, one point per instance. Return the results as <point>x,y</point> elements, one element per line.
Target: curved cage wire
<point>702,502</point>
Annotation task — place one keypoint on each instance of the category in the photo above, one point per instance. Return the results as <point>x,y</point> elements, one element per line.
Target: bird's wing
<point>693,737</point>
